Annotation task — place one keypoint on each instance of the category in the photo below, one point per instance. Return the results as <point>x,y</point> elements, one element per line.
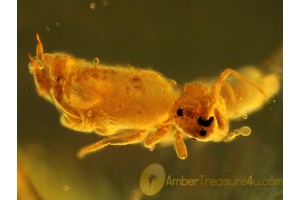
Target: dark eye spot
<point>202,133</point>
<point>180,112</point>
<point>205,123</point>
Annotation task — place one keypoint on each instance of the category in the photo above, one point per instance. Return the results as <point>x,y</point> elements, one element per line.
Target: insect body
<point>128,105</point>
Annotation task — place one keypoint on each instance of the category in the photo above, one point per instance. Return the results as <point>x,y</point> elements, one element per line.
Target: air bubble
<point>47,28</point>
<point>96,61</point>
<point>245,130</point>
<point>57,24</point>
<point>66,188</point>
<point>93,5</point>
<point>245,116</point>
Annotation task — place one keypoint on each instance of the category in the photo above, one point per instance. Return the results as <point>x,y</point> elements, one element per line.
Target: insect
<point>151,178</point>
<point>127,105</point>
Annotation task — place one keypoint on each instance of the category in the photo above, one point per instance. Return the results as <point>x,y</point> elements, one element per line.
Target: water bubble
<point>245,116</point>
<point>245,130</point>
<point>93,5</point>
<point>47,28</point>
<point>96,61</point>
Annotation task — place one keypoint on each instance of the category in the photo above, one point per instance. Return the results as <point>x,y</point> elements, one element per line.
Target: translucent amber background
<point>184,40</point>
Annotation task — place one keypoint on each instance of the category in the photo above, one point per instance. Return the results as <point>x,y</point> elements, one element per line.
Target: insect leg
<point>230,93</point>
<point>57,95</point>
<point>231,136</point>
<point>41,78</point>
<point>76,124</point>
<point>223,125</point>
<point>180,146</point>
<point>122,138</point>
<point>219,83</point>
<point>156,136</point>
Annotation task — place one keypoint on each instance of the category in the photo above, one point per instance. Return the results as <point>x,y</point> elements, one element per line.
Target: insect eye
<point>202,133</point>
<point>180,112</point>
<point>205,123</point>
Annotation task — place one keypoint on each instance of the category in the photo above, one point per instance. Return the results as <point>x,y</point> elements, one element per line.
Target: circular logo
<point>152,179</point>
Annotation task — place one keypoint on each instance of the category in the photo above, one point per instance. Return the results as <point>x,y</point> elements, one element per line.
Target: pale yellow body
<point>110,99</point>
<point>129,105</point>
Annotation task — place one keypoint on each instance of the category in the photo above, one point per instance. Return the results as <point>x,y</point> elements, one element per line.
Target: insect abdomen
<point>136,98</point>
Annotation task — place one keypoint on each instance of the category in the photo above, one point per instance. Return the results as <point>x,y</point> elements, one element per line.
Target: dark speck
<point>205,123</point>
<point>202,133</point>
<point>180,112</point>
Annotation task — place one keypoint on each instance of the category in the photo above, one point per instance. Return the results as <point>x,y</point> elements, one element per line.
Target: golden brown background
<point>184,40</point>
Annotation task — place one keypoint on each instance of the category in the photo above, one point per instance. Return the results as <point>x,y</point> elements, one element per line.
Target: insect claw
<point>39,46</point>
